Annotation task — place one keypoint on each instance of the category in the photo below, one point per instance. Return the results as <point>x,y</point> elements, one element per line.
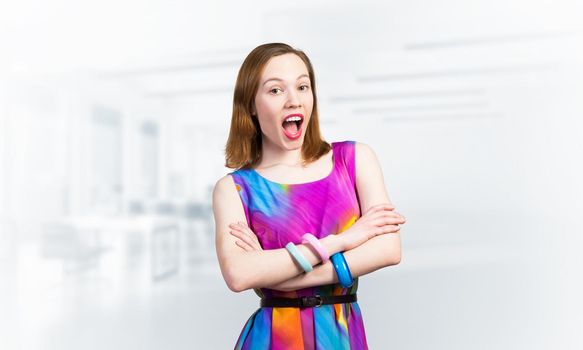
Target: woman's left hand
<point>248,239</point>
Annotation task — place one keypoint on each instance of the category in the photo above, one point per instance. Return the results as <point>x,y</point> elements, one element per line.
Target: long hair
<point>243,149</point>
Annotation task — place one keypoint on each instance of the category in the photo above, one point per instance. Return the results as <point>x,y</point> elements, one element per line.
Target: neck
<point>273,154</point>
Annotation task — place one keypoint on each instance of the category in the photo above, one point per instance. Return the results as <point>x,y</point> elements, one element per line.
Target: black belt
<point>313,301</point>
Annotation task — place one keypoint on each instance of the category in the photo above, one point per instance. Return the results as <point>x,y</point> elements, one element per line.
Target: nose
<point>293,99</point>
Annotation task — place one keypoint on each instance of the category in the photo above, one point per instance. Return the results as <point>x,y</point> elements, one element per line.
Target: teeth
<point>292,119</point>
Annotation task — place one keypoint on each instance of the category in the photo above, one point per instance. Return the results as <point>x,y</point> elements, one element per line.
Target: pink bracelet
<point>315,243</point>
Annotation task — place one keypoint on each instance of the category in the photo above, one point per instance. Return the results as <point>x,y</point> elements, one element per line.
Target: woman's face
<point>284,91</point>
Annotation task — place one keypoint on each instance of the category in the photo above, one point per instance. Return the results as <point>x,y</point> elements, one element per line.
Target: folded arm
<point>244,270</point>
<point>376,253</point>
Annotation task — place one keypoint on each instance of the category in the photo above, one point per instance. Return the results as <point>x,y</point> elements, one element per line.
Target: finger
<point>400,219</point>
<point>380,207</point>
<point>387,229</point>
<point>251,239</point>
<point>387,215</point>
<point>391,228</point>
<point>383,206</point>
<point>386,221</point>
<point>243,227</point>
<point>239,227</point>
<point>251,234</point>
<point>246,247</point>
<point>240,224</point>
<point>237,234</point>
<point>400,215</point>
<point>245,237</point>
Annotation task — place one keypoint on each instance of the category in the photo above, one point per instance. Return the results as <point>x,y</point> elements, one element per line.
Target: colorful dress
<point>280,213</point>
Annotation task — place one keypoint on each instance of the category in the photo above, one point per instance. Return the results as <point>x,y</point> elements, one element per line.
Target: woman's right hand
<point>379,219</point>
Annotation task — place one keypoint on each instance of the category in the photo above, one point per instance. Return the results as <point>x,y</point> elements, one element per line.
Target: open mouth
<point>293,126</point>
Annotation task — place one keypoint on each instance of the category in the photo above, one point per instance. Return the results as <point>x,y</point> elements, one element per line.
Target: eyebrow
<point>279,79</point>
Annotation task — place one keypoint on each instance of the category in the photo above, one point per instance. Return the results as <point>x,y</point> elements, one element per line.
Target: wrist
<point>333,244</point>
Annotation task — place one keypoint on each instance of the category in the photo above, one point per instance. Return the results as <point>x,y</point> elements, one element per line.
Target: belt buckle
<point>315,301</point>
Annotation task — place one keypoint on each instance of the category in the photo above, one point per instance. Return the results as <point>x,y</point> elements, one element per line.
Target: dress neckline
<point>304,183</point>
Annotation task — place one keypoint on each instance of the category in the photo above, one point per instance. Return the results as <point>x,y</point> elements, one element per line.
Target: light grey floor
<point>446,294</point>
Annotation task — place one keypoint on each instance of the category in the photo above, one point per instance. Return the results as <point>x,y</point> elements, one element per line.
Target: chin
<point>293,145</point>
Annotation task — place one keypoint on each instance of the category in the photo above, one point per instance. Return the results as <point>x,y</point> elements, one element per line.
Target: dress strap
<point>344,153</point>
<point>243,190</point>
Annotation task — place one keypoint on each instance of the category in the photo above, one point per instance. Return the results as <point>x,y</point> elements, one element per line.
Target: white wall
<point>473,109</point>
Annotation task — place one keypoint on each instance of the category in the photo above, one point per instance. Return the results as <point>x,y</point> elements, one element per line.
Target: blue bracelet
<point>299,257</point>
<point>342,270</point>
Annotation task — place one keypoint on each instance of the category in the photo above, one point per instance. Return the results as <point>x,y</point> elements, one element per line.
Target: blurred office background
<point>113,120</point>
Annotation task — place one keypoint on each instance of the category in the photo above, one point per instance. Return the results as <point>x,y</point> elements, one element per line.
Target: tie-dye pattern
<point>280,213</point>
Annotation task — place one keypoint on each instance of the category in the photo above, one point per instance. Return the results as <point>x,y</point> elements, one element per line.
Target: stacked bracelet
<point>315,243</point>
<point>342,270</point>
<point>299,257</point>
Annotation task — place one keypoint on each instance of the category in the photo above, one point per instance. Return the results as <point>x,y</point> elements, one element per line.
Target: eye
<point>305,86</point>
<point>274,89</point>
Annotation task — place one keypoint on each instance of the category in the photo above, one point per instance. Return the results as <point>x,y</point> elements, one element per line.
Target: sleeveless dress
<point>280,213</point>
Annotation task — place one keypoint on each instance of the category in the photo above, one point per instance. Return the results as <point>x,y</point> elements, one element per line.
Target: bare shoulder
<point>369,177</point>
<point>224,187</point>
<point>224,182</point>
<point>364,155</point>
<point>226,203</point>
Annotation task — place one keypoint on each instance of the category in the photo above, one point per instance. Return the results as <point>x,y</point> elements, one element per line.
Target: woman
<point>290,182</point>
